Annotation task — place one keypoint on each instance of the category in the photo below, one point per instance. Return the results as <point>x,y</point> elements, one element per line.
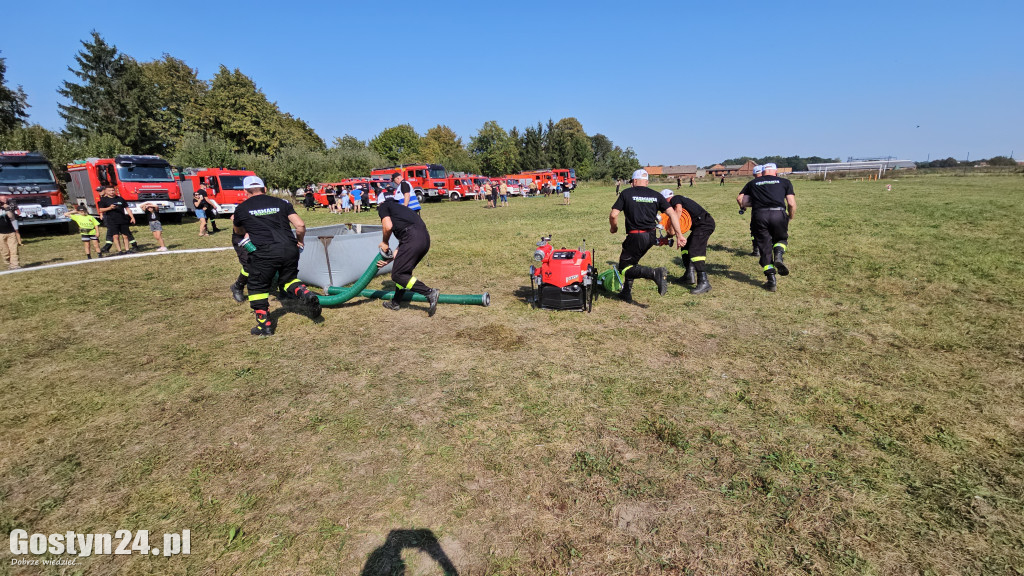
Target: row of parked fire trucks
<point>433,181</point>
<point>27,181</point>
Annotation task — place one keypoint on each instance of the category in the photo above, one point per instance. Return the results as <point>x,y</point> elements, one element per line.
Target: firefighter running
<point>641,205</point>
<point>754,250</point>
<point>771,197</point>
<point>273,250</point>
<point>413,245</point>
<point>695,247</point>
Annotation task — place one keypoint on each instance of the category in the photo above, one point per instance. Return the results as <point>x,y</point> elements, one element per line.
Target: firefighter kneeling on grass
<point>413,245</point>
<point>266,222</point>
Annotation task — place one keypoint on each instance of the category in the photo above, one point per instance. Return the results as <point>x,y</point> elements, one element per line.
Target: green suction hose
<point>340,295</point>
<point>481,299</point>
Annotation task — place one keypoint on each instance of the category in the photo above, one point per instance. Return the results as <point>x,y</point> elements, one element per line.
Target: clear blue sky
<point>680,82</point>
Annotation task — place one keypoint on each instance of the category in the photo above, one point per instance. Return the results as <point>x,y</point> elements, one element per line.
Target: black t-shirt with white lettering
<point>265,218</point>
<point>402,217</point>
<point>696,211</point>
<point>117,215</point>
<point>641,205</point>
<point>768,192</point>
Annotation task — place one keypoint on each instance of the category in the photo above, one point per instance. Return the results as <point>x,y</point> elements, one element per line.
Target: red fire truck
<point>138,179</point>
<point>539,177</point>
<point>459,187</point>
<point>27,182</point>
<point>427,180</point>
<point>222,184</point>
<point>567,176</point>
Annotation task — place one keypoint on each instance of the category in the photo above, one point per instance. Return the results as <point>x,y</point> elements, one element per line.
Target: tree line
<point>118,105</point>
<point>797,163</point>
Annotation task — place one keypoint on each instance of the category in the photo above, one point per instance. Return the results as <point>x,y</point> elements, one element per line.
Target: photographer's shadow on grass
<point>387,560</point>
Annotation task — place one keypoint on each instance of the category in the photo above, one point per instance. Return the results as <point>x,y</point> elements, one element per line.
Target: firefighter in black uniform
<point>413,245</point>
<point>771,198</point>
<point>641,206</point>
<point>754,250</point>
<point>275,250</point>
<point>695,247</point>
<point>238,242</point>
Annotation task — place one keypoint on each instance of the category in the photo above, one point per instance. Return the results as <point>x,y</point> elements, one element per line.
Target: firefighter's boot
<point>690,276</point>
<point>777,253</point>
<point>626,295</point>
<point>262,327</point>
<point>702,284</point>
<point>769,283</point>
<point>755,251</point>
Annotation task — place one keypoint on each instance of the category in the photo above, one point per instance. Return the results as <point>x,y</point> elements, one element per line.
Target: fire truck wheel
<point>454,197</point>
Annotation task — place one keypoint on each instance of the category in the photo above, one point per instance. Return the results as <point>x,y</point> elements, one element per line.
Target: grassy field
<point>866,419</point>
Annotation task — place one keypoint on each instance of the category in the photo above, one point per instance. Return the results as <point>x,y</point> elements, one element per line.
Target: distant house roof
<point>654,170</point>
<point>680,169</point>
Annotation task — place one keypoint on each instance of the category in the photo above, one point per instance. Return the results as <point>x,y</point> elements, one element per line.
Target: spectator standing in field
<point>198,204</point>
<point>691,181</point>
<point>153,216</point>
<point>116,218</point>
<point>487,194</point>
<point>9,238</point>
<point>641,205</point>
<point>332,199</point>
<point>772,198</point>
<point>722,181</point>
<point>679,183</point>
<point>211,207</point>
<point>533,188</point>
<point>357,198</point>
<point>618,184</point>
<point>309,202</point>
<point>566,192</point>
<point>88,229</point>
<point>346,205</point>
<point>268,222</point>
<point>503,193</point>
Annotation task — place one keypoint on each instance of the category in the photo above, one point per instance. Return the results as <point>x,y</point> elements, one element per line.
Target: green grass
<point>865,419</point>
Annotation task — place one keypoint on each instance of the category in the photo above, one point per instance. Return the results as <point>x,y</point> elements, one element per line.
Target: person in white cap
<point>641,206</point>
<point>771,197</point>
<point>265,223</point>
<point>754,251</point>
<point>695,248</point>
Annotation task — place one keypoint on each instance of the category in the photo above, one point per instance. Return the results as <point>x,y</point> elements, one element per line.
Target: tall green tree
<point>441,145</point>
<point>114,98</point>
<point>532,153</point>
<point>348,142</point>
<point>295,132</point>
<point>179,94</point>
<point>237,111</point>
<point>397,144</point>
<point>13,103</point>
<point>497,152</point>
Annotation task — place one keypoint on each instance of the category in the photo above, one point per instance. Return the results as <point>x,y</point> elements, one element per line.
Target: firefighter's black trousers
<point>413,245</point>
<point>634,247</point>
<point>696,248</point>
<point>263,264</point>
<point>771,228</point>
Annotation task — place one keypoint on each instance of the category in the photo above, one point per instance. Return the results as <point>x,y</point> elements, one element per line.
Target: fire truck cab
<point>27,182</point>
<point>223,185</point>
<point>427,180</point>
<point>138,179</point>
